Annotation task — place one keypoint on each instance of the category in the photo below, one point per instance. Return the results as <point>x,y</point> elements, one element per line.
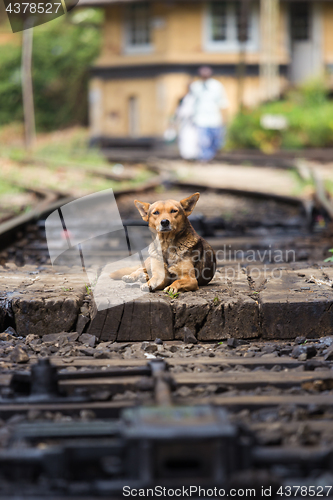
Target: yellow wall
<point>328,32</point>
<point>112,119</point>
<point>157,101</point>
<point>179,40</point>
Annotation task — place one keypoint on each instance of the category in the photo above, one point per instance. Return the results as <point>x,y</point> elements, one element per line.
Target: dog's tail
<point>117,275</point>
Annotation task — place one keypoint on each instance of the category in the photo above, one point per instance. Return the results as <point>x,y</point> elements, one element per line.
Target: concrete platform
<point>39,300</point>
<point>269,302</point>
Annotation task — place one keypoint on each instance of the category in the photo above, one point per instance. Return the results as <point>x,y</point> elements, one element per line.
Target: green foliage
<point>314,92</point>
<point>308,111</point>
<point>71,147</point>
<point>172,294</point>
<point>8,188</point>
<point>10,85</point>
<point>63,50</point>
<point>329,259</point>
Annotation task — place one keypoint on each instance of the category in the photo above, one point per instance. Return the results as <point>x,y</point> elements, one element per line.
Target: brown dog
<point>180,260</point>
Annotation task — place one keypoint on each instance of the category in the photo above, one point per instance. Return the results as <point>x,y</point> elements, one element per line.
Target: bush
<point>10,85</point>
<point>63,50</point>
<point>310,117</point>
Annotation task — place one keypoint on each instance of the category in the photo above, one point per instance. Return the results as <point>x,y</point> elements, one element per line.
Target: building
<point>152,50</point>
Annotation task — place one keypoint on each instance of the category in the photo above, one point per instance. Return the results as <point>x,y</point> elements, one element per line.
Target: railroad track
<point>31,225</point>
<point>48,200</point>
<point>301,218</point>
<point>294,218</point>
<point>82,427</point>
<point>180,413</point>
<point>281,159</point>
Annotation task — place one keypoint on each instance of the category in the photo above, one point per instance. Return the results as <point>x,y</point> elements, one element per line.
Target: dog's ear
<point>143,208</point>
<point>189,203</point>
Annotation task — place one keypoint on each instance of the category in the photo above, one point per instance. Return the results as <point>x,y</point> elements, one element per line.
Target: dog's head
<point>167,216</point>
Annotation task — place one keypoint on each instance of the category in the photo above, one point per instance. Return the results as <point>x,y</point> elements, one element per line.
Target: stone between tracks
<point>273,305</point>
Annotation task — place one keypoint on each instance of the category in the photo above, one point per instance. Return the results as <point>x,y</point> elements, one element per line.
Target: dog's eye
<point>173,211</point>
<point>156,212</point>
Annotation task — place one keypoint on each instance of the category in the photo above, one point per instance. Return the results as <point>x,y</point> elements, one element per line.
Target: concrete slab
<point>289,302</point>
<point>248,178</point>
<point>221,310</point>
<point>39,301</point>
<point>299,303</point>
<point>268,302</point>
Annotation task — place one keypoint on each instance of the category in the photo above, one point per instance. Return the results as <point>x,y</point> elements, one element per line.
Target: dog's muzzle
<point>165,225</point>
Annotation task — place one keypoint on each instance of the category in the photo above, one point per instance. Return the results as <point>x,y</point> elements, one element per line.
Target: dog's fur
<point>180,260</point>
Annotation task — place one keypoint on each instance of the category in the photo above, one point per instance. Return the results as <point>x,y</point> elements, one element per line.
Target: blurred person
<point>187,130</point>
<point>210,103</point>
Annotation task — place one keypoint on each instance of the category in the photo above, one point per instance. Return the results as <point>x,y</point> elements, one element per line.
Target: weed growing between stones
<point>329,259</point>
<point>172,295</point>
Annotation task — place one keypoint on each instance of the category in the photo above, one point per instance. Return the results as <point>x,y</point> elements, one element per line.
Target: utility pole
<point>242,39</point>
<point>27,88</point>
<point>269,65</point>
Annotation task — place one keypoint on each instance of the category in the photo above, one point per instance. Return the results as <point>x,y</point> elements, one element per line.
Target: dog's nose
<point>165,222</point>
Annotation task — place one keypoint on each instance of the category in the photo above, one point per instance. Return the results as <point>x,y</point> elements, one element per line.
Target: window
<point>227,26</point>
<point>300,21</point>
<point>219,21</point>
<point>138,28</point>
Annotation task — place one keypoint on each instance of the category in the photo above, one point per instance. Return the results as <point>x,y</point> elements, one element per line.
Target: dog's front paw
<point>142,278</point>
<point>128,278</point>
<point>145,287</point>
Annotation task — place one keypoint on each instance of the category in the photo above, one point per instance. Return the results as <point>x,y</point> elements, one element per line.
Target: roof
<point>103,3</point>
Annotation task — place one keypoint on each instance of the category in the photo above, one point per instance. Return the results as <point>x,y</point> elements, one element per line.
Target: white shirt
<point>210,98</point>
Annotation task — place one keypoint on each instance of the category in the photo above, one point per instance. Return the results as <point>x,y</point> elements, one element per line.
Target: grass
<point>172,295</point>
<point>8,188</point>
<point>11,203</point>
<point>61,160</point>
<point>68,147</point>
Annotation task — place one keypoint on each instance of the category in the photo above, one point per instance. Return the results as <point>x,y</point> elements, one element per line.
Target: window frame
<point>308,26</point>
<point>231,44</point>
<point>128,47</point>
